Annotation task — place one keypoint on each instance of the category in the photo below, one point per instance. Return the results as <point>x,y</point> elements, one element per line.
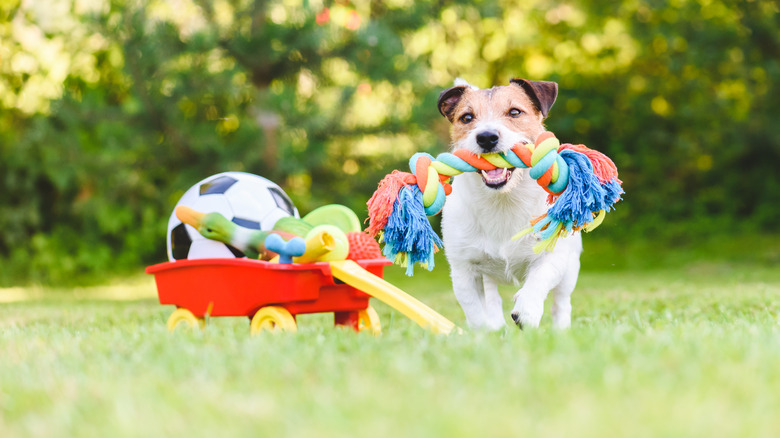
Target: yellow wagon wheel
<point>184,316</point>
<point>368,319</point>
<point>273,319</point>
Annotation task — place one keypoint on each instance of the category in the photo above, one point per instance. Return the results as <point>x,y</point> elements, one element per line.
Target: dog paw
<point>561,321</point>
<point>527,316</point>
<point>487,325</point>
<point>495,326</point>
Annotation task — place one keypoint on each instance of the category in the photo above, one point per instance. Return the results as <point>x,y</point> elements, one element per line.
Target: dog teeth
<point>496,176</point>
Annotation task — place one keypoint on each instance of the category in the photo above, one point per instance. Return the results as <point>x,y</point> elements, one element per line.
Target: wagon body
<point>241,287</point>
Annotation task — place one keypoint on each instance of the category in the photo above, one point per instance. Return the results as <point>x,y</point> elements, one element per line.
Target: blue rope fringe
<point>408,234</point>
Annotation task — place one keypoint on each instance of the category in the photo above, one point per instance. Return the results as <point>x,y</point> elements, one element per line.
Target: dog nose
<point>487,140</point>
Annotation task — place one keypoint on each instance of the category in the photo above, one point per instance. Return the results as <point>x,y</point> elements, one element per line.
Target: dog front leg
<point>470,294</point>
<point>493,308</point>
<point>529,300</point>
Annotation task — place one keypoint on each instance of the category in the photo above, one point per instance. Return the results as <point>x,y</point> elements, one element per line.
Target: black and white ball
<point>246,199</point>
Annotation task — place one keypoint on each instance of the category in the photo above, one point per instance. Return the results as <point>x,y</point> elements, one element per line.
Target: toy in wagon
<point>238,247</point>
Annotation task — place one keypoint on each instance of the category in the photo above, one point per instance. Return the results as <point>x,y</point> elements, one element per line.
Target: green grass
<point>688,348</point>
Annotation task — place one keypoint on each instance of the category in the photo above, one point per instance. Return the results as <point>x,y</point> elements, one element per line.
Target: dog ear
<point>448,100</point>
<point>542,93</point>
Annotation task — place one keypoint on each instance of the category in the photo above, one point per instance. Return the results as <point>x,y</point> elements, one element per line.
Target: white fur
<point>478,223</point>
<point>462,82</point>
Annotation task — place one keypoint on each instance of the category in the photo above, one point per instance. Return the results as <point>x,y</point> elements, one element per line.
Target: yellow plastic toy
<point>351,273</point>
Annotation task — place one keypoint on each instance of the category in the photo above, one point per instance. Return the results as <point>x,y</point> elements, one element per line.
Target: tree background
<point>110,110</point>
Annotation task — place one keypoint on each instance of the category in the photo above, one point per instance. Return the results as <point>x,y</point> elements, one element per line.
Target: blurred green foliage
<point>110,110</point>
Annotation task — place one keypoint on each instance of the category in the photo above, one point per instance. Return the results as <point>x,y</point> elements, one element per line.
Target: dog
<point>486,209</point>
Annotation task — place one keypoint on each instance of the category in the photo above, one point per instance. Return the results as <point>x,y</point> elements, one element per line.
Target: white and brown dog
<point>485,210</point>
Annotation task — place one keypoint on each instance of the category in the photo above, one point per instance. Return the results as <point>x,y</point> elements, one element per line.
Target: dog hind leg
<point>561,308</point>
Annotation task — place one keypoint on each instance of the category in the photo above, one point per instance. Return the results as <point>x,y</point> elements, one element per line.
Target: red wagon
<point>271,294</point>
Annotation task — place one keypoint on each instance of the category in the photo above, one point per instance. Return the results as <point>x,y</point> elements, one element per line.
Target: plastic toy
<point>319,243</point>
<point>215,227</point>
<point>295,247</point>
<point>582,183</point>
<point>339,245</point>
<point>362,247</point>
<point>323,242</point>
<point>272,293</point>
<point>334,214</point>
<point>242,198</point>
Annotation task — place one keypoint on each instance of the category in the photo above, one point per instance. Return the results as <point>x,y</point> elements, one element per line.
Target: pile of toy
<point>238,214</point>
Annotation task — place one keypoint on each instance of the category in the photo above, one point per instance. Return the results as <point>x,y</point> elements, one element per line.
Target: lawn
<point>686,347</point>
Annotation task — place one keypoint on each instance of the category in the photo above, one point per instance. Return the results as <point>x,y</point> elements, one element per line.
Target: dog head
<point>496,119</point>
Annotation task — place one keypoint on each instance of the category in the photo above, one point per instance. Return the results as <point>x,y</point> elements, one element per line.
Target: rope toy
<point>582,186</point>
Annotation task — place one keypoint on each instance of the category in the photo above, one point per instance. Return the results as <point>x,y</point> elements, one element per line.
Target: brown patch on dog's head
<point>448,100</point>
<point>543,93</point>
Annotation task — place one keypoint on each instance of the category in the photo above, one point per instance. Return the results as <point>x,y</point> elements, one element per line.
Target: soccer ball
<point>248,200</point>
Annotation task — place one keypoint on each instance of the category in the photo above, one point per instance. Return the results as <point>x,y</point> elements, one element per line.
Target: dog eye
<point>467,118</point>
<point>514,112</point>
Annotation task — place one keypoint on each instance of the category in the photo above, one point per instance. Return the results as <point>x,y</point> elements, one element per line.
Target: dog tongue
<point>495,173</point>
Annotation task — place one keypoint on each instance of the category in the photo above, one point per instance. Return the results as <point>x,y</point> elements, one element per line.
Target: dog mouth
<point>496,178</point>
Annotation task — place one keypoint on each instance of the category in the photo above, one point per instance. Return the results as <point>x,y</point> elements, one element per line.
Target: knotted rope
<point>582,185</point>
